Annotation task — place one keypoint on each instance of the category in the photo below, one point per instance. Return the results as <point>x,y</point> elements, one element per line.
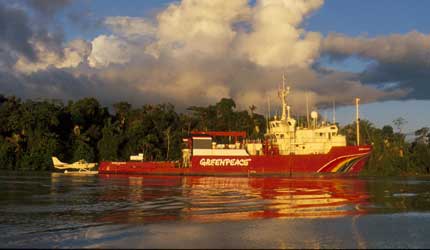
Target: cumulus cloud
<point>202,27</point>
<point>195,52</point>
<point>72,55</point>
<point>276,39</point>
<point>109,50</point>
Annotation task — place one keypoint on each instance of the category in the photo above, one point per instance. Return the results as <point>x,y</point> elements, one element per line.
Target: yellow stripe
<point>335,169</point>
<point>337,158</point>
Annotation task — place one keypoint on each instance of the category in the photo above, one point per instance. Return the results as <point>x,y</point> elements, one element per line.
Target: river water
<point>114,211</point>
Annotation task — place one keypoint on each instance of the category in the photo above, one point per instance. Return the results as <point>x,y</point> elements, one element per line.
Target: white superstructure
<point>283,137</point>
<point>291,139</point>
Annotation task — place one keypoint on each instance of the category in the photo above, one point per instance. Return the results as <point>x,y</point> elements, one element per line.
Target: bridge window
<point>202,142</point>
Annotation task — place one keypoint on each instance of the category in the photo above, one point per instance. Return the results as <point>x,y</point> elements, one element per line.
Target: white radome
<point>314,115</point>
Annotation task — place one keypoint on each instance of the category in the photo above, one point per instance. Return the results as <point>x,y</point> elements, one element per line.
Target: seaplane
<point>81,166</point>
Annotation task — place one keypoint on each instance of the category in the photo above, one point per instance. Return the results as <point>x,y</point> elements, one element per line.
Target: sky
<point>195,52</point>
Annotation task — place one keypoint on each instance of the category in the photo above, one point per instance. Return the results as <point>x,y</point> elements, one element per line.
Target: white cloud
<point>73,55</point>
<point>108,50</point>
<point>202,27</point>
<point>276,39</point>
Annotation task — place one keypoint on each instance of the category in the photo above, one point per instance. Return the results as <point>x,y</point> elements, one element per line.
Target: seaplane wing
<point>80,165</point>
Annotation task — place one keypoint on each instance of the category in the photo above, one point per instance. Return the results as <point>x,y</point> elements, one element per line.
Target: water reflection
<point>158,198</point>
<point>112,211</point>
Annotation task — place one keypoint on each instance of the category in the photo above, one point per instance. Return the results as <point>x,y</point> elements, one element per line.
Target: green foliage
<point>39,151</point>
<point>86,111</point>
<point>83,151</point>
<point>7,154</point>
<point>420,156</point>
<point>391,154</point>
<point>109,143</point>
<point>223,117</point>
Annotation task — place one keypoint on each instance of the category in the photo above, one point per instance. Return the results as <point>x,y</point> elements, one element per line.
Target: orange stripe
<point>337,158</point>
<point>335,169</point>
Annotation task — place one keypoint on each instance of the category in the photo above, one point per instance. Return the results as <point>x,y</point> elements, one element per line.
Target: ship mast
<point>268,113</point>
<point>334,111</point>
<point>307,110</point>
<point>357,120</point>
<point>283,95</point>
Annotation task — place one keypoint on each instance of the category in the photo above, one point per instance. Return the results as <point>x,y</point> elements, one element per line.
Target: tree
<point>387,131</point>
<point>90,117</point>
<point>108,145</point>
<point>422,135</point>
<point>7,154</point>
<point>122,110</point>
<point>399,122</point>
<point>83,151</point>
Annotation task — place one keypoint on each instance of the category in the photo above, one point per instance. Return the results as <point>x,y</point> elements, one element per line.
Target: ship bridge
<point>284,134</point>
<point>202,143</point>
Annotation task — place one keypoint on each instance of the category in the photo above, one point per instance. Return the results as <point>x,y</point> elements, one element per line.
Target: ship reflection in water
<point>215,199</point>
<point>114,211</point>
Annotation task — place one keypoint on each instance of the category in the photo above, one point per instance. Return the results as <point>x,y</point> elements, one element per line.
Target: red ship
<point>287,149</point>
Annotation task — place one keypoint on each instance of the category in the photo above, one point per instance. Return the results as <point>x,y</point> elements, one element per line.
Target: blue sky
<point>374,18</point>
<point>355,21</point>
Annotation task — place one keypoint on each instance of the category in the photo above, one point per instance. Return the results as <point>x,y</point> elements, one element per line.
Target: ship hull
<point>340,160</point>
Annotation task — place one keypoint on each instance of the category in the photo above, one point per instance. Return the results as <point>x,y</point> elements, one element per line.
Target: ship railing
<point>236,145</point>
<point>253,141</point>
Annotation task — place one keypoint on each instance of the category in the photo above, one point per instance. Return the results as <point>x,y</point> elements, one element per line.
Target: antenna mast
<point>307,110</point>
<point>268,115</point>
<point>334,111</point>
<point>357,120</point>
